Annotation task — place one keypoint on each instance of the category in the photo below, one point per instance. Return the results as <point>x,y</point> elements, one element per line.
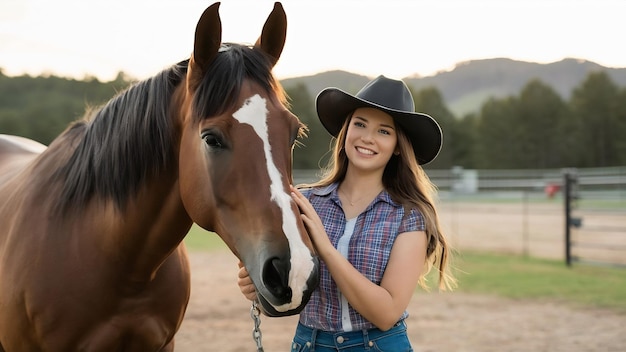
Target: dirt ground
<point>218,316</point>
<point>218,319</point>
<point>535,229</point>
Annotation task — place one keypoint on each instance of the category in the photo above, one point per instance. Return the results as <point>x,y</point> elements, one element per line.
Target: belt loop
<point>313,336</point>
<point>366,340</point>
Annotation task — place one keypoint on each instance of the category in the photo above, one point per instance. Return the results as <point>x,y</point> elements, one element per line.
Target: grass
<point>617,204</point>
<point>519,277</point>
<point>198,239</point>
<point>510,276</point>
<point>605,204</point>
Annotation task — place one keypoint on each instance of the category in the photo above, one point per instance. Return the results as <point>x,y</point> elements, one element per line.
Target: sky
<point>396,38</point>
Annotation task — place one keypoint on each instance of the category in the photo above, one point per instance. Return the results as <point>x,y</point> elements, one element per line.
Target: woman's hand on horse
<point>312,222</point>
<point>245,283</point>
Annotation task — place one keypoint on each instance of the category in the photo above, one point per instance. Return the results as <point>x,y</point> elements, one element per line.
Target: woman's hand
<point>245,283</point>
<point>312,222</point>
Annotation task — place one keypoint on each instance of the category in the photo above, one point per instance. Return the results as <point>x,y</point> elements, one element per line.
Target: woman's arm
<point>381,305</point>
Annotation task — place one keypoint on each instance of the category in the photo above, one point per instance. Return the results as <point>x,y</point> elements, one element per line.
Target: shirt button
<point>308,344</point>
<point>340,339</point>
<point>371,344</point>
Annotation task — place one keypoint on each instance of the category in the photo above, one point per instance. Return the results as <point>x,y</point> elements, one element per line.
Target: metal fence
<point>595,210</point>
<point>527,211</point>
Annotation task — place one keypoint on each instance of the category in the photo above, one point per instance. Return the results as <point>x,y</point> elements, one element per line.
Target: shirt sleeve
<point>414,221</point>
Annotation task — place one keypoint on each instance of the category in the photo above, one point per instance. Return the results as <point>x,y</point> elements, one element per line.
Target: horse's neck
<point>150,227</point>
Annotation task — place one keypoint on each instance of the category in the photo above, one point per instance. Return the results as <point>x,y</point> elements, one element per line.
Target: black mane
<point>222,83</point>
<point>131,138</point>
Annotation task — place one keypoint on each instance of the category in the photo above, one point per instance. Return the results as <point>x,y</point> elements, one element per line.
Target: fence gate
<point>595,216</point>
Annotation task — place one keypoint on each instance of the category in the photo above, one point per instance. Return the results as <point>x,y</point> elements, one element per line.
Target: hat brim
<point>334,105</point>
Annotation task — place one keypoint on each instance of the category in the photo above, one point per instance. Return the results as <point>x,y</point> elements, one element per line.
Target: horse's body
<point>91,228</point>
<point>15,153</point>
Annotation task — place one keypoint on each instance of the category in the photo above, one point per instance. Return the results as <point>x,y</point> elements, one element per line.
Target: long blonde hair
<point>407,184</point>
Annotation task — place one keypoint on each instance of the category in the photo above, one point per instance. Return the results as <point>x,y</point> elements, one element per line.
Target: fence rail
<point>526,211</point>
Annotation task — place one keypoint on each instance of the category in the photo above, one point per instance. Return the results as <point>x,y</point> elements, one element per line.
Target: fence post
<point>566,196</point>
<point>525,237</point>
<point>570,194</point>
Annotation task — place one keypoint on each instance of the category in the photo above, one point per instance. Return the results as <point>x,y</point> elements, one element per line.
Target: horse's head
<point>236,158</point>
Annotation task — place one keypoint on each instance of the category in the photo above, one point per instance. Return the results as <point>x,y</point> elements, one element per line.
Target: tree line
<point>533,129</point>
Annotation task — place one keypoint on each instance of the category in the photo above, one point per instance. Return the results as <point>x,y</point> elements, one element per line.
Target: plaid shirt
<point>374,234</point>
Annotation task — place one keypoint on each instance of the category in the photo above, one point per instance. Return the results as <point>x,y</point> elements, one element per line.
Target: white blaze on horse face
<point>254,113</point>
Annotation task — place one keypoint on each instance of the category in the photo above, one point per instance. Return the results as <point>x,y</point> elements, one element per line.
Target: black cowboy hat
<point>391,96</point>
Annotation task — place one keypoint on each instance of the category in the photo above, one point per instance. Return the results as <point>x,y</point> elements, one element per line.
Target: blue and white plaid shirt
<point>370,246</point>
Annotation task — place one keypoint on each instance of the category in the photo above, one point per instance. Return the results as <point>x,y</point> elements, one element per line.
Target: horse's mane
<point>131,138</point>
<point>222,83</point>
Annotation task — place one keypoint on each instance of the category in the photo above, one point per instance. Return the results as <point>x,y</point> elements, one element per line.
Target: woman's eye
<point>359,124</point>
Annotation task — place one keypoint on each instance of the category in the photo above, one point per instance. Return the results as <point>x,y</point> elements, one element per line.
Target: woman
<point>372,220</point>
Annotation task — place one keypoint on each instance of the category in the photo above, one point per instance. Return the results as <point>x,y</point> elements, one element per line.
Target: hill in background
<point>471,83</point>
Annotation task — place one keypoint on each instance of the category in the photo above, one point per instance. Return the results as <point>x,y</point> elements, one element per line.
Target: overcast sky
<point>398,38</point>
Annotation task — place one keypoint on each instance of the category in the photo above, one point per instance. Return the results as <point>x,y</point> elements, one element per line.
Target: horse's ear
<point>272,39</point>
<point>207,42</point>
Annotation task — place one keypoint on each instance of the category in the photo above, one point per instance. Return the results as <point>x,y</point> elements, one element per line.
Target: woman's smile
<point>365,151</point>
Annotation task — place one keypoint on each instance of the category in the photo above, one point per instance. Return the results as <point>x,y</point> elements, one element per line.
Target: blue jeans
<point>375,340</point>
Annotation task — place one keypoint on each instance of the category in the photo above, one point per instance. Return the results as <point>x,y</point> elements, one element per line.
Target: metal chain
<point>255,314</point>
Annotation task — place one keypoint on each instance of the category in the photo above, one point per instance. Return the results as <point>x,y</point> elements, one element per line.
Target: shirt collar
<point>332,190</point>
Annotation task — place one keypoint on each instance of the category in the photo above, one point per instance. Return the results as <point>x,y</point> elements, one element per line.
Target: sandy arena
<point>218,316</point>
<point>218,319</point>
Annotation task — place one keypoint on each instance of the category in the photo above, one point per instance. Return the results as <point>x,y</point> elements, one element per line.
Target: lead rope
<point>255,314</point>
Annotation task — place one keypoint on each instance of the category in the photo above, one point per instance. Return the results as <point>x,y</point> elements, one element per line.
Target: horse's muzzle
<point>277,294</point>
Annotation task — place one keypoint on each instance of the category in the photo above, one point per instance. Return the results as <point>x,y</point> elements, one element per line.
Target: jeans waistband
<point>340,340</point>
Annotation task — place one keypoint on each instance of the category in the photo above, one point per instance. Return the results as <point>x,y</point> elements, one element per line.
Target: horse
<point>92,256</point>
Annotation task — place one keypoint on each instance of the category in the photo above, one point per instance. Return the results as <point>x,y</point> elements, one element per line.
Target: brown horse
<point>91,228</point>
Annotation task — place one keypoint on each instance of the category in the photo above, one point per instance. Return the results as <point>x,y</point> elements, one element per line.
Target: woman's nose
<point>367,137</point>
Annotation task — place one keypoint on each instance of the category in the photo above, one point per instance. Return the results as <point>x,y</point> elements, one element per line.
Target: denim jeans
<point>375,340</point>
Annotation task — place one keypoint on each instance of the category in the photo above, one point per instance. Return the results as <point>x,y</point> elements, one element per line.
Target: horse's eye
<point>212,141</point>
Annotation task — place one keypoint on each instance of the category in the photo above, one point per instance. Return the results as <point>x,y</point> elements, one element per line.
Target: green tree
<point>495,137</point>
<point>311,149</point>
<point>40,108</point>
<point>536,125</point>
<point>595,109</point>
<point>466,137</point>
<point>430,101</point>
<point>620,127</point>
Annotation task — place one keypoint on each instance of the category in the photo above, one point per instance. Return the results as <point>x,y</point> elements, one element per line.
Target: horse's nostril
<point>276,277</point>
